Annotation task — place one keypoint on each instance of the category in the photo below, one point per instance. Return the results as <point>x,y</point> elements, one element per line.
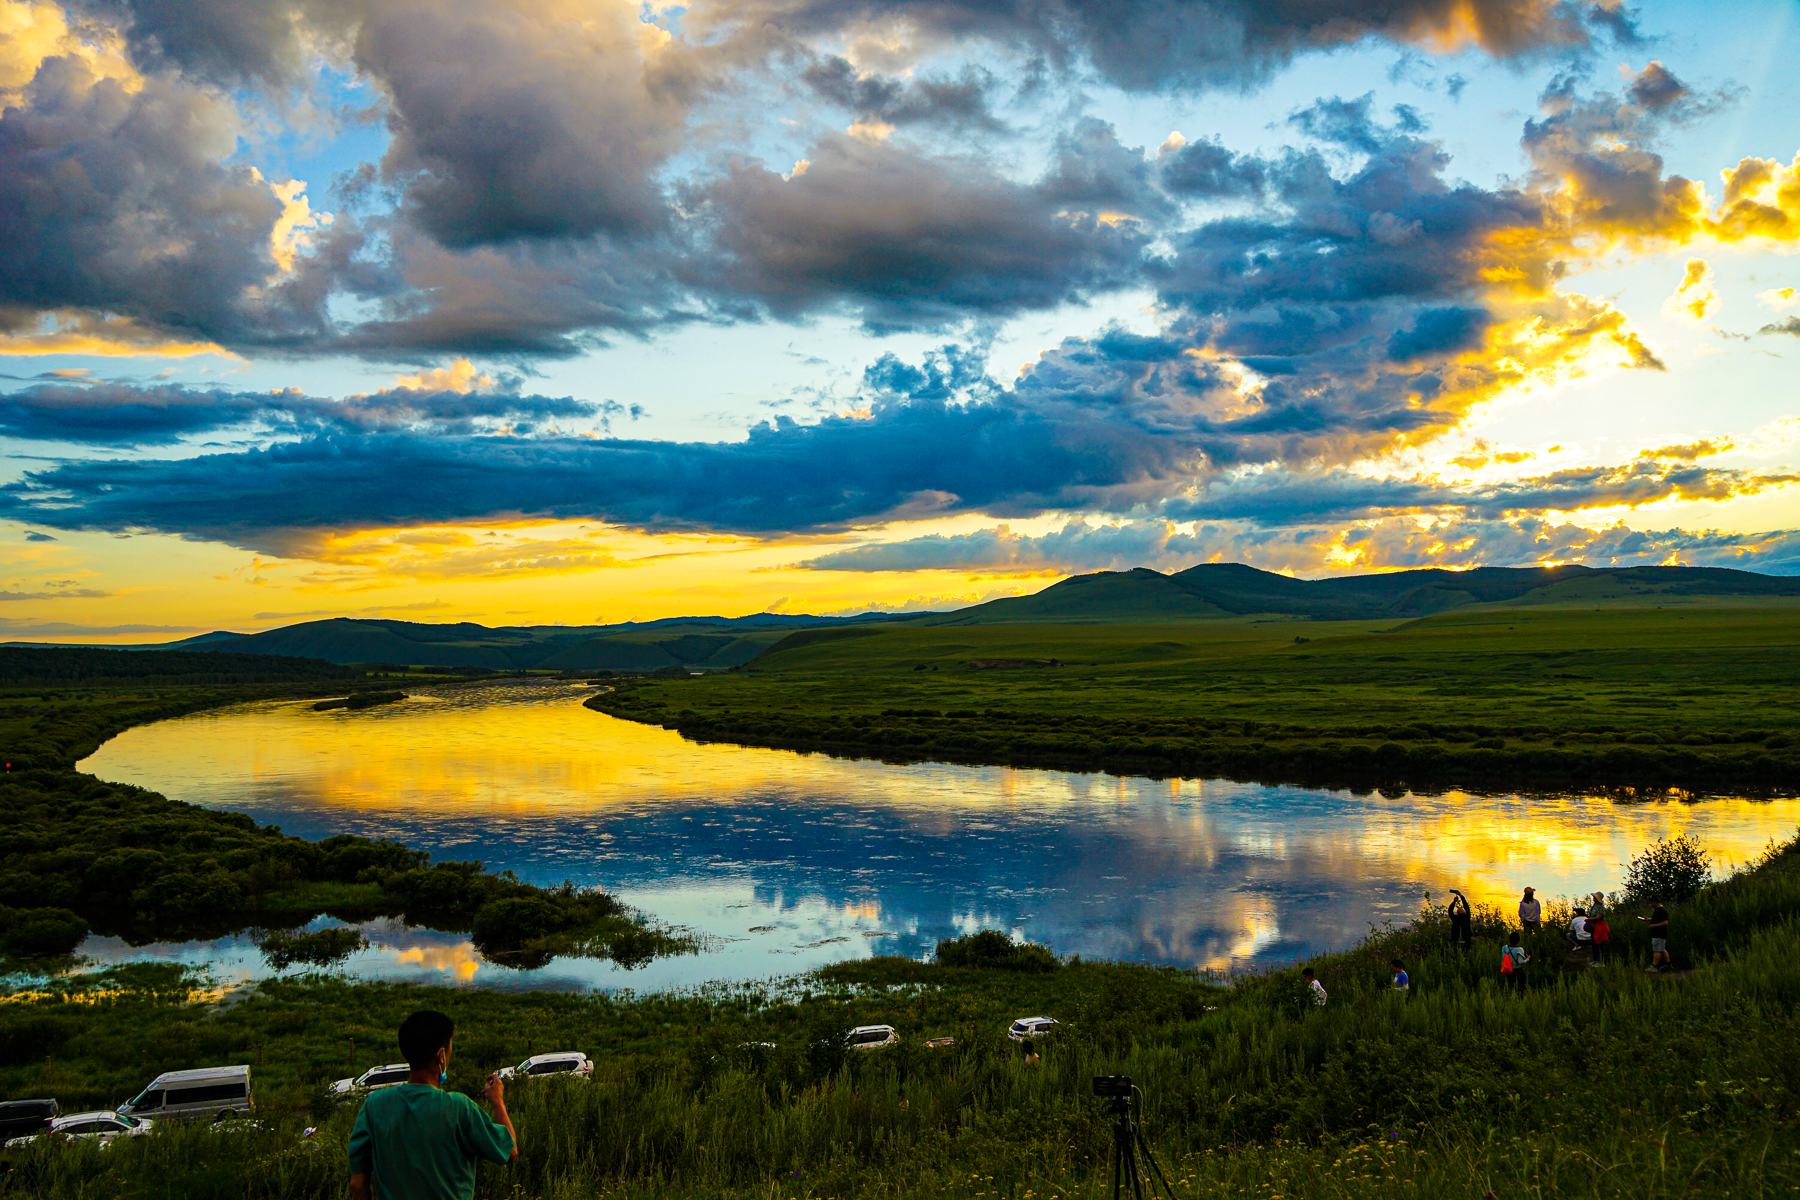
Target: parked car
<point>203,1094</point>
<point>19,1117</point>
<point>871,1037</point>
<point>371,1080</point>
<point>570,1064</point>
<point>101,1127</point>
<point>1026,1028</point>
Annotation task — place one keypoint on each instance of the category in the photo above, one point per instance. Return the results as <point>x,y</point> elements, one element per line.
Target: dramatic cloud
<point>907,238</point>
<point>1788,325</point>
<point>1155,44</point>
<point>1382,545</point>
<point>122,415</point>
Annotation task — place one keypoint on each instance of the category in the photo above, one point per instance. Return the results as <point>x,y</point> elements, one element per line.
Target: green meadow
<point>1702,697</point>
<point>1605,1082</point>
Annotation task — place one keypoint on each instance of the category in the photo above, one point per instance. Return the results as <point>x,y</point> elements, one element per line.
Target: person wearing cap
<point>1531,913</point>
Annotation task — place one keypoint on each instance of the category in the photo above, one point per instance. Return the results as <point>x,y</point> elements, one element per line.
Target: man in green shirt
<point>416,1141</point>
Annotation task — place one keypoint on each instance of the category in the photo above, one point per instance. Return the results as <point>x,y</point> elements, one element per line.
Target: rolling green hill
<point>1214,590</point>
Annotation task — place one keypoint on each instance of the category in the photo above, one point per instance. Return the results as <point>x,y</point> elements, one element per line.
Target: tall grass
<point>1592,1082</point>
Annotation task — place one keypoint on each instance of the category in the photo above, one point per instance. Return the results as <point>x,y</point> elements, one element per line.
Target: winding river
<point>790,861</point>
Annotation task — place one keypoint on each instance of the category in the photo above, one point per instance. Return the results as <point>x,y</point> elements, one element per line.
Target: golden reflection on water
<point>1205,872</point>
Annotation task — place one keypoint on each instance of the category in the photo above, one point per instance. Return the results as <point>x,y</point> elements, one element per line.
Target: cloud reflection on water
<point>842,858</point>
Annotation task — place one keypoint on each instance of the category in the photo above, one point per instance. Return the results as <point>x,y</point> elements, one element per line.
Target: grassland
<point>1689,696</point>
<point>1593,1083</point>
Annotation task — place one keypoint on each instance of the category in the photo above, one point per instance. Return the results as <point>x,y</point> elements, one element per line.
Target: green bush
<point>40,932</point>
<point>1668,870</point>
<point>991,948</point>
<point>319,948</point>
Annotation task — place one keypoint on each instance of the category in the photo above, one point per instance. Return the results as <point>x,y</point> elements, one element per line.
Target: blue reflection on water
<point>790,861</point>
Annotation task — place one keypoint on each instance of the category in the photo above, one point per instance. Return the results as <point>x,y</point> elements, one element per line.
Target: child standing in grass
<point>1402,983</point>
<point>1602,935</point>
<point>1512,963</point>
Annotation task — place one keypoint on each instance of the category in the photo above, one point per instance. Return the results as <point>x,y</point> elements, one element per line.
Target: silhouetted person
<point>419,1142</point>
<point>1659,936</point>
<point>1461,921</point>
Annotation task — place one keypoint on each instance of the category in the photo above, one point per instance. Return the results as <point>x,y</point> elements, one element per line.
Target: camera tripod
<point>1128,1143</point>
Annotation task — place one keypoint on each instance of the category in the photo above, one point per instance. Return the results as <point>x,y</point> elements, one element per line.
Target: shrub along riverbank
<point>80,855</point>
<point>1605,1082</point>
<point>1702,699</point>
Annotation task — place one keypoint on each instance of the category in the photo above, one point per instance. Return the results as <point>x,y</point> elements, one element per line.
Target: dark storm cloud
<point>115,199</point>
<point>34,536</point>
<point>1657,88</point>
<point>906,238</point>
<point>109,414</point>
<point>548,127</point>
<point>1157,44</point>
<point>1115,423</point>
<point>1787,325</point>
<point>1207,170</point>
<point>960,102</point>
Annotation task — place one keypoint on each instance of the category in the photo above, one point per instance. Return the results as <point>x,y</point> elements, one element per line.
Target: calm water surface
<point>790,861</point>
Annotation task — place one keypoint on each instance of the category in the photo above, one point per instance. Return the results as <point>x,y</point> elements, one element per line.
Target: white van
<point>208,1093</point>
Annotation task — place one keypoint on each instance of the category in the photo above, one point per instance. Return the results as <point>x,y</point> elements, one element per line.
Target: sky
<point>582,311</point>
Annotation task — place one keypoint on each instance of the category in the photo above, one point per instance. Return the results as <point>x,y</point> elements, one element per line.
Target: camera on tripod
<point>1129,1180</point>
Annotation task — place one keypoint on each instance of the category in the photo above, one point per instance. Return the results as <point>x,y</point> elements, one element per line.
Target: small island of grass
<point>358,700</point>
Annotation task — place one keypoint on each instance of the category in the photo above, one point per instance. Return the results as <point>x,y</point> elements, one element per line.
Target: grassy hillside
<point>1591,1082</point>
<point>1701,698</point>
<point>1233,589</point>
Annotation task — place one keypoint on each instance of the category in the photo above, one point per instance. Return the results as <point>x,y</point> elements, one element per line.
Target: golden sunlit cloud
<point>69,331</point>
<point>1694,297</point>
<point>459,376</point>
<point>1779,299</point>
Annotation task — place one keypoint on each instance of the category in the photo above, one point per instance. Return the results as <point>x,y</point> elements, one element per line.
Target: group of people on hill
<point>1588,930</point>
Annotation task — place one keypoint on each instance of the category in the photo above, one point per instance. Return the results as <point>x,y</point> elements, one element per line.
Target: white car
<point>101,1127</point>
<point>567,1064</point>
<point>871,1037</point>
<point>1026,1028</point>
<point>371,1080</point>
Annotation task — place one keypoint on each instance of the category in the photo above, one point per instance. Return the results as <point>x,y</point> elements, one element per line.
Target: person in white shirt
<point>1314,987</point>
<point>1581,936</point>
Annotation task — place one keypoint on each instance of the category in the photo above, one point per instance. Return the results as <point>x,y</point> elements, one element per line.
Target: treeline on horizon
<point>64,666</point>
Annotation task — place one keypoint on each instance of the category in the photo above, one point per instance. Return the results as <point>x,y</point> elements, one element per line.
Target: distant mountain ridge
<point>1211,591</point>
<point>1218,590</point>
<point>691,642</point>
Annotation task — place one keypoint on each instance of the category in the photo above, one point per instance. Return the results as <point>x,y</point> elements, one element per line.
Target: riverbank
<point>1614,701</point>
<point>80,855</point>
<point>1594,1082</point>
